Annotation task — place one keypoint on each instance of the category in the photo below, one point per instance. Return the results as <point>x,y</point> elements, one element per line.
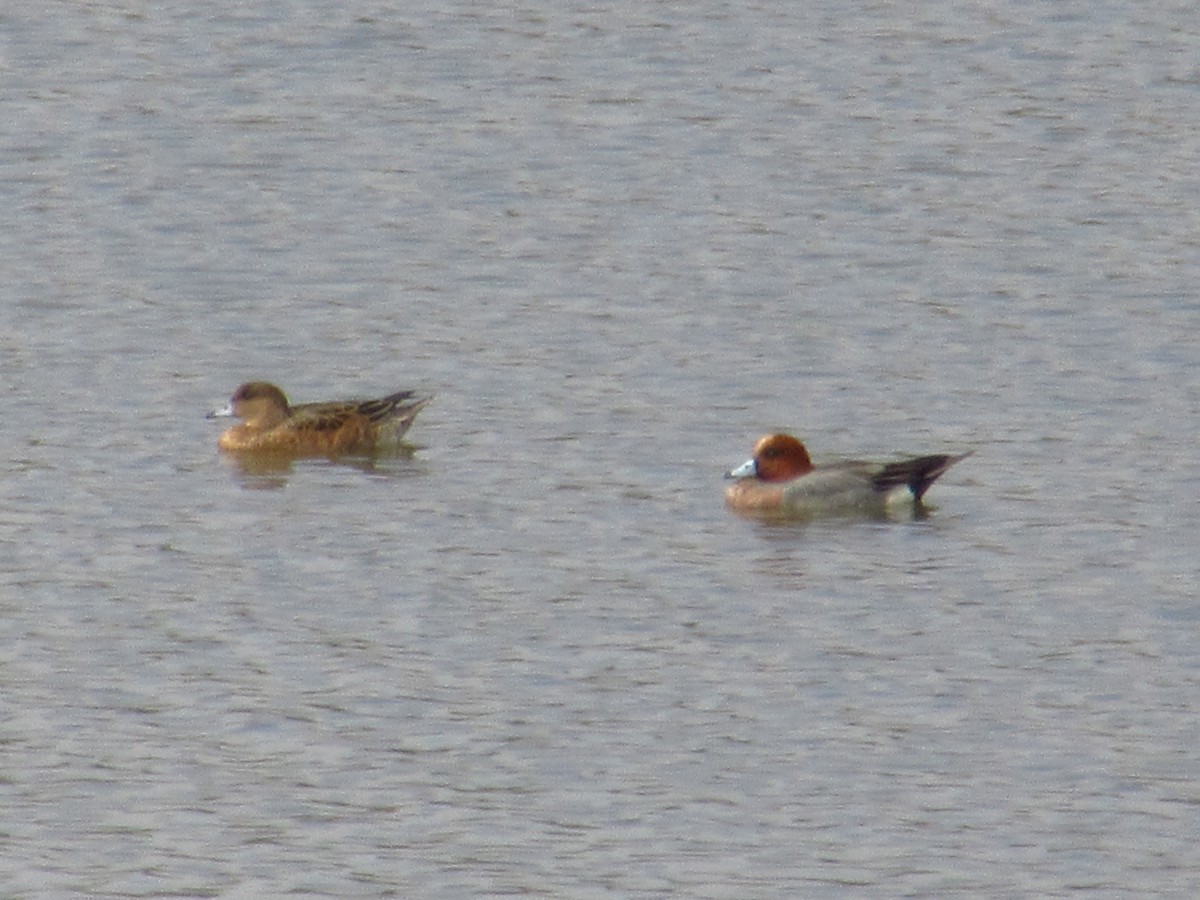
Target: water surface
<point>618,241</point>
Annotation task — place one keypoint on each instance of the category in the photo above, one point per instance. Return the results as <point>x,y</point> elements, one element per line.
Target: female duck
<point>271,425</point>
<point>781,479</point>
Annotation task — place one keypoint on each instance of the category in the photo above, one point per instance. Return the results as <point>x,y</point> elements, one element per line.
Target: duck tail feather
<point>918,474</point>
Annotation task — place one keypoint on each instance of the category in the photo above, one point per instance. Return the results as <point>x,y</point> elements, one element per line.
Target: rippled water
<point>618,241</point>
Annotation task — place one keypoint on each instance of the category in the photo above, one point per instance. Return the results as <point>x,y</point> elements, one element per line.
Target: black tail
<point>918,473</point>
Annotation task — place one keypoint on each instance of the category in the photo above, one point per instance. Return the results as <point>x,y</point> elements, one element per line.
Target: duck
<point>272,425</point>
<point>780,479</point>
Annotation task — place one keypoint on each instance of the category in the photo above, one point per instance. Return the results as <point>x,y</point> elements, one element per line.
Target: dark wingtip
<point>919,474</point>
<point>937,467</point>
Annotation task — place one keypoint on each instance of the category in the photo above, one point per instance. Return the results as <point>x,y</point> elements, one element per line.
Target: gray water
<point>537,656</point>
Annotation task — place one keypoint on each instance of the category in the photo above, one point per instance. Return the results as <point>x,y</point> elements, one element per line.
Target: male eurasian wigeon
<point>271,425</point>
<point>780,479</point>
